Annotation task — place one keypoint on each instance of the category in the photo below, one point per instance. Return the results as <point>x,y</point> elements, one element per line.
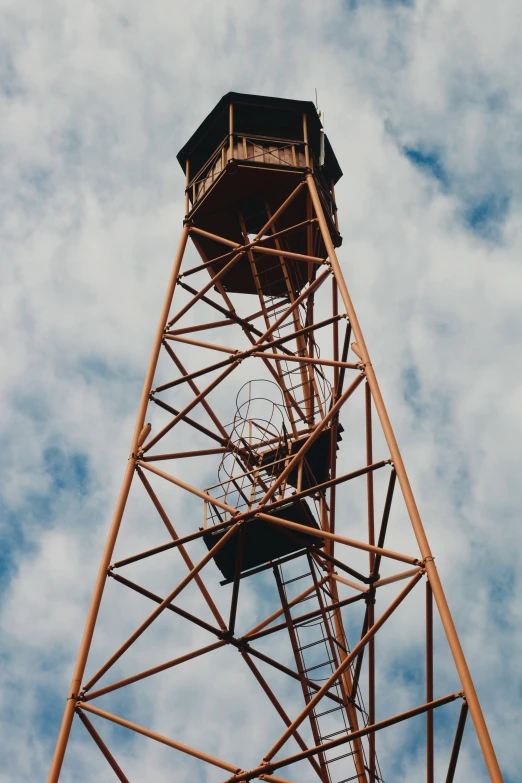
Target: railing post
<point>305,139</point>
<point>231,131</point>
<point>187,189</point>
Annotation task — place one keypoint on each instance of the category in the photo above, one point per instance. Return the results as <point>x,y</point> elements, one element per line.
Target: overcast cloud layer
<point>423,106</point>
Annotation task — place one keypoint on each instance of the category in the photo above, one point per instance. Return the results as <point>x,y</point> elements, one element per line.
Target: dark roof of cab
<point>259,115</point>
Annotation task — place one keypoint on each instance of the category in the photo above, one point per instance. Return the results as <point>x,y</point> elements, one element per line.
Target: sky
<point>422,104</point>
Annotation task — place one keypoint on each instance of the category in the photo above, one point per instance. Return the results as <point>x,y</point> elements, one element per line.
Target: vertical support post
<point>369,476</point>
<point>430,775</point>
<point>83,653</point>
<point>334,425</point>
<point>279,370</point>
<point>335,335</point>
<point>309,237</point>
<point>231,131</point>
<point>299,663</point>
<point>371,597</point>
<point>306,371</point>
<point>456,743</point>
<point>411,506</point>
<point>348,683</point>
<point>286,720</point>
<point>332,191</point>
<point>237,579</point>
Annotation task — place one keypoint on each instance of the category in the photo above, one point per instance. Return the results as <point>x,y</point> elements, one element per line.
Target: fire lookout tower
<point>263,466</point>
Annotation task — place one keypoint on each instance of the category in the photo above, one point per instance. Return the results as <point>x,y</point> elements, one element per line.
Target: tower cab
<point>247,156</point>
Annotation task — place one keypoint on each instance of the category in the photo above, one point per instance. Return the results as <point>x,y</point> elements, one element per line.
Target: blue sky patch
<point>461,486</point>
<point>12,539</point>
<point>411,390</point>
<point>482,213</point>
<point>486,215</point>
<point>430,162</point>
<point>67,471</point>
<point>352,5</point>
<point>9,81</point>
<point>69,477</point>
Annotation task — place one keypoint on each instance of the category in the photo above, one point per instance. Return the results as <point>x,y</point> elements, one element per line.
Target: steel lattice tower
<point>257,362</point>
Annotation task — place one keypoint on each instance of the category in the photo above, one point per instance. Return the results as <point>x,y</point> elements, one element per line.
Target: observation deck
<point>247,156</point>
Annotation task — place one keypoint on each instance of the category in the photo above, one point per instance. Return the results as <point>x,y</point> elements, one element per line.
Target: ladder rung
<point>306,598</point>
<point>338,758</point>
<point>327,712</point>
<point>317,666</point>
<point>296,578</point>
<point>313,644</point>
<point>333,734</point>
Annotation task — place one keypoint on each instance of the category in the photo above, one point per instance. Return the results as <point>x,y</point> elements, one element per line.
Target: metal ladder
<point>306,384</point>
<point>317,654</point>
